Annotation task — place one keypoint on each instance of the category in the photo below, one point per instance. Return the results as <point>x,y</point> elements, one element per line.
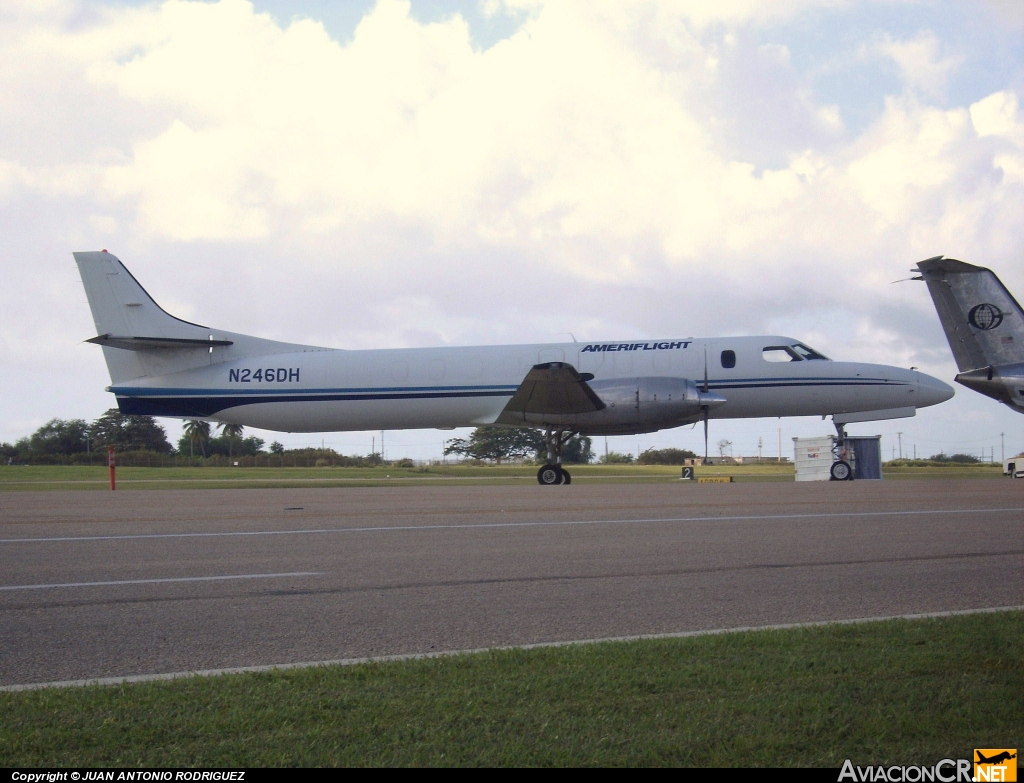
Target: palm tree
<point>231,432</point>
<point>197,430</point>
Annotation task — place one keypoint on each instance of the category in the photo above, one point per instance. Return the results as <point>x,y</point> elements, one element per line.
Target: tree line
<point>58,440</point>
<point>501,444</point>
<point>668,456</point>
<point>78,441</point>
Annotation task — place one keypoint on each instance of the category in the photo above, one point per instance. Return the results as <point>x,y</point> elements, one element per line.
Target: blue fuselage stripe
<point>207,402</point>
<point>393,392</point>
<point>144,391</point>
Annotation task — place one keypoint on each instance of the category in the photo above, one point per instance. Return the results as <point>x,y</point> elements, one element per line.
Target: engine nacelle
<point>634,405</point>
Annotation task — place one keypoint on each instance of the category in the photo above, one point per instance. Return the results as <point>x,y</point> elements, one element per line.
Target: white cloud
<point>920,62</point>
<point>562,131</point>
<point>999,115</point>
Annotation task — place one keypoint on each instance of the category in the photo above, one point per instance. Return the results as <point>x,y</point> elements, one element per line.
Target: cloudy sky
<point>392,174</point>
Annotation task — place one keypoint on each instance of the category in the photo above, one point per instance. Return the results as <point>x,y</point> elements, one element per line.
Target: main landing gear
<point>553,472</point>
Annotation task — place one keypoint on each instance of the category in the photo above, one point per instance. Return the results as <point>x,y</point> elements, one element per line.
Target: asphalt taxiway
<point>96,584</point>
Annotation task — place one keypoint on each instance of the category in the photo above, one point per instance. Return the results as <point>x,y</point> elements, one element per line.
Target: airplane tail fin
<point>983,322</point>
<point>140,339</point>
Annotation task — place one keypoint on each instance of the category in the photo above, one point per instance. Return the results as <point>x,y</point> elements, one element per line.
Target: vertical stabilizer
<point>122,308</point>
<point>140,340</point>
<point>983,322</point>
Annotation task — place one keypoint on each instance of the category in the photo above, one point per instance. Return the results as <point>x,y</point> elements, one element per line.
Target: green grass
<point>944,472</point>
<point>78,477</point>
<point>895,692</point>
<point>56,477</point>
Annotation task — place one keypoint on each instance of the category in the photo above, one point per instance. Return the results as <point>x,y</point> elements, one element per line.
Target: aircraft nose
<point>931,391</point>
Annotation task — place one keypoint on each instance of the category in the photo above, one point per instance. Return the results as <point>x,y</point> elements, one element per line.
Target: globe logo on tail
<point>985,316</point>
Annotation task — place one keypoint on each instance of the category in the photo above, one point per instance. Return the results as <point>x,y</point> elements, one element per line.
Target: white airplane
<point>984,326</point>
<point>162,366</point>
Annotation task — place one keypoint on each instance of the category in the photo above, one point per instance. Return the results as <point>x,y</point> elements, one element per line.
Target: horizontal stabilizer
<point>551,388</point>
<point>155,343</point>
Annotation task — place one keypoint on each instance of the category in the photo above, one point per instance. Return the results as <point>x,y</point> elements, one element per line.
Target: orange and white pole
<point>110,464</point>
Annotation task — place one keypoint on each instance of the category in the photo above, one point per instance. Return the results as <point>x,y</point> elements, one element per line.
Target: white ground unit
<point>827,458</point>
<point>813,458</point>
<point>1014,466</point>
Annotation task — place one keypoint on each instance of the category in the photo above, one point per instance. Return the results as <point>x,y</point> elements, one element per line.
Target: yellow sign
<point>714,480</point>
<point>995,764</point>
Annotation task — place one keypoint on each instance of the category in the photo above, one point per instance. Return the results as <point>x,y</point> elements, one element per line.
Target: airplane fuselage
<point>319,390</point>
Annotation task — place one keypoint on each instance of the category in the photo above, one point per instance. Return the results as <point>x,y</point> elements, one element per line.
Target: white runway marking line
<point>444,654</point>
<point>487,525</point>
<point>224,578</point>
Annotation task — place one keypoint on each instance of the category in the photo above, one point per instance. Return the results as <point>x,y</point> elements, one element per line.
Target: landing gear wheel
<point>549,475</point>
<point>841,471</point>
<point>566,478</point>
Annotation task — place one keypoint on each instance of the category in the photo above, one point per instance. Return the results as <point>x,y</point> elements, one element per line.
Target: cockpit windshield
<point>808,353</point>
<point>797,352</point>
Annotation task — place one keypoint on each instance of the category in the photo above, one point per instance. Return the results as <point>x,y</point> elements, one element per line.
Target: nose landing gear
<point>553,472</point>
<point>845,458</point>
<point>840,471</point>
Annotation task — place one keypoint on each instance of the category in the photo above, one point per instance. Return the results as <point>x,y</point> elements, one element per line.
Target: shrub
<point>665,456</point>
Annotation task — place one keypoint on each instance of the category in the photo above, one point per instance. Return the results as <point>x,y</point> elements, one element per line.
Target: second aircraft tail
<point>983,322</point>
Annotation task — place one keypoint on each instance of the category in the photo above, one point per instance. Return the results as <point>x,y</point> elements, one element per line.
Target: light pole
<point>1002,446</point>
<point>899,435</point>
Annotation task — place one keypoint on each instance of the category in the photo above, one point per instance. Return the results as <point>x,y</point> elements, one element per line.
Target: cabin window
<point>808,353</point>
<point>780,353</point>
<point>728,359</point>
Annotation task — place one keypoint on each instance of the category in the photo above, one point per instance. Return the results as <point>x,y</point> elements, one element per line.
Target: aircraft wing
<point>551,388</point>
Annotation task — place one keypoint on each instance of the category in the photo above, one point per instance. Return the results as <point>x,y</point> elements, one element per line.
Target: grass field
<point>57,477</point>
<point>894,692</point>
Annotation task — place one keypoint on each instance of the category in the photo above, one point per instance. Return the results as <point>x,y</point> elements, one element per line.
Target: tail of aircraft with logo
<point>141,340</point>
<point>984,325</point>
